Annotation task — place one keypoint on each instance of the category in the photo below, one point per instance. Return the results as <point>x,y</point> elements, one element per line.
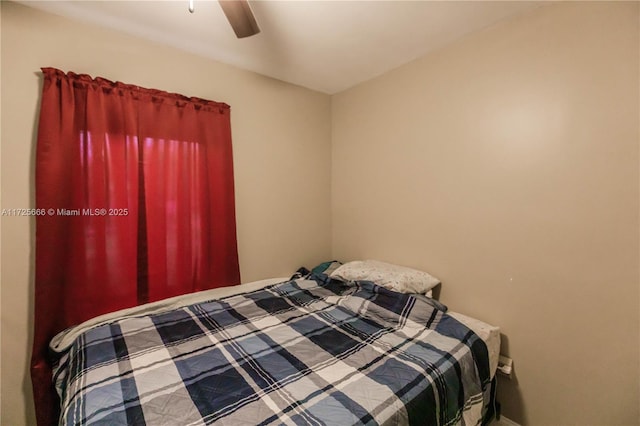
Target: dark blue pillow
<point>320,273</point>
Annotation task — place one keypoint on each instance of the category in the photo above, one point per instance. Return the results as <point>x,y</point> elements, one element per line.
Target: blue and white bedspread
<point>299,352</point>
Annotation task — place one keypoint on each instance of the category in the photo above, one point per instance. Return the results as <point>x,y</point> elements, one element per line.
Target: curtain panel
<point>137,195</point>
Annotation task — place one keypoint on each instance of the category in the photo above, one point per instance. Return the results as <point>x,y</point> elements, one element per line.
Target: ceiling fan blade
<point>240,17</point>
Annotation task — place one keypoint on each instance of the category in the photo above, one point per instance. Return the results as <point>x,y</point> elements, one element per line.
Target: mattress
<point>300,351</point>
<point>490,334</point>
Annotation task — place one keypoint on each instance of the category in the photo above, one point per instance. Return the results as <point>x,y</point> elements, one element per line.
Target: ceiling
<point>326,46</point>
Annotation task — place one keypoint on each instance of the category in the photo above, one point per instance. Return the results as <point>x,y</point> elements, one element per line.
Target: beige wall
<point>0,226</point>
<point>278,129</point>
<point>507,165</point>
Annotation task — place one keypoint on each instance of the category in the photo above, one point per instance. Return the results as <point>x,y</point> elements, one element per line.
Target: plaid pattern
<point>299,352</point>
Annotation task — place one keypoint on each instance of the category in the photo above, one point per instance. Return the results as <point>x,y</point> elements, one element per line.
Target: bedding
<point>490,335</point>
<point>304,351</point>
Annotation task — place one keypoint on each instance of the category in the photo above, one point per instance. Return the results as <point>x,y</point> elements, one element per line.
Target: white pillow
<point>393,277</point>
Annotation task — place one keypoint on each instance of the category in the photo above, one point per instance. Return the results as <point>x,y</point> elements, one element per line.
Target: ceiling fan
<point>239,15</point>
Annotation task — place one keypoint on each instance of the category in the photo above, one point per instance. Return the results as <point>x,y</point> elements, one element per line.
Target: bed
<point>305,350</point>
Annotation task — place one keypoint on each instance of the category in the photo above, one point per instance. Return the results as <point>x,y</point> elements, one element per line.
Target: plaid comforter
<point>299,352</point>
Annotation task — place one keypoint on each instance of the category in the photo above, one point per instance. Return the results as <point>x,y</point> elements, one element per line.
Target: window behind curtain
<point>137,189</point>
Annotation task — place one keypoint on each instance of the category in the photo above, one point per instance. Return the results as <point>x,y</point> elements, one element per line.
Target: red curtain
<point>135,187</point>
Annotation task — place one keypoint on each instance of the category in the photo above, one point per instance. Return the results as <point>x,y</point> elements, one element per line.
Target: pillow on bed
<point>393,277</point>
<point>326,268</point>
<point>320,273</point>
